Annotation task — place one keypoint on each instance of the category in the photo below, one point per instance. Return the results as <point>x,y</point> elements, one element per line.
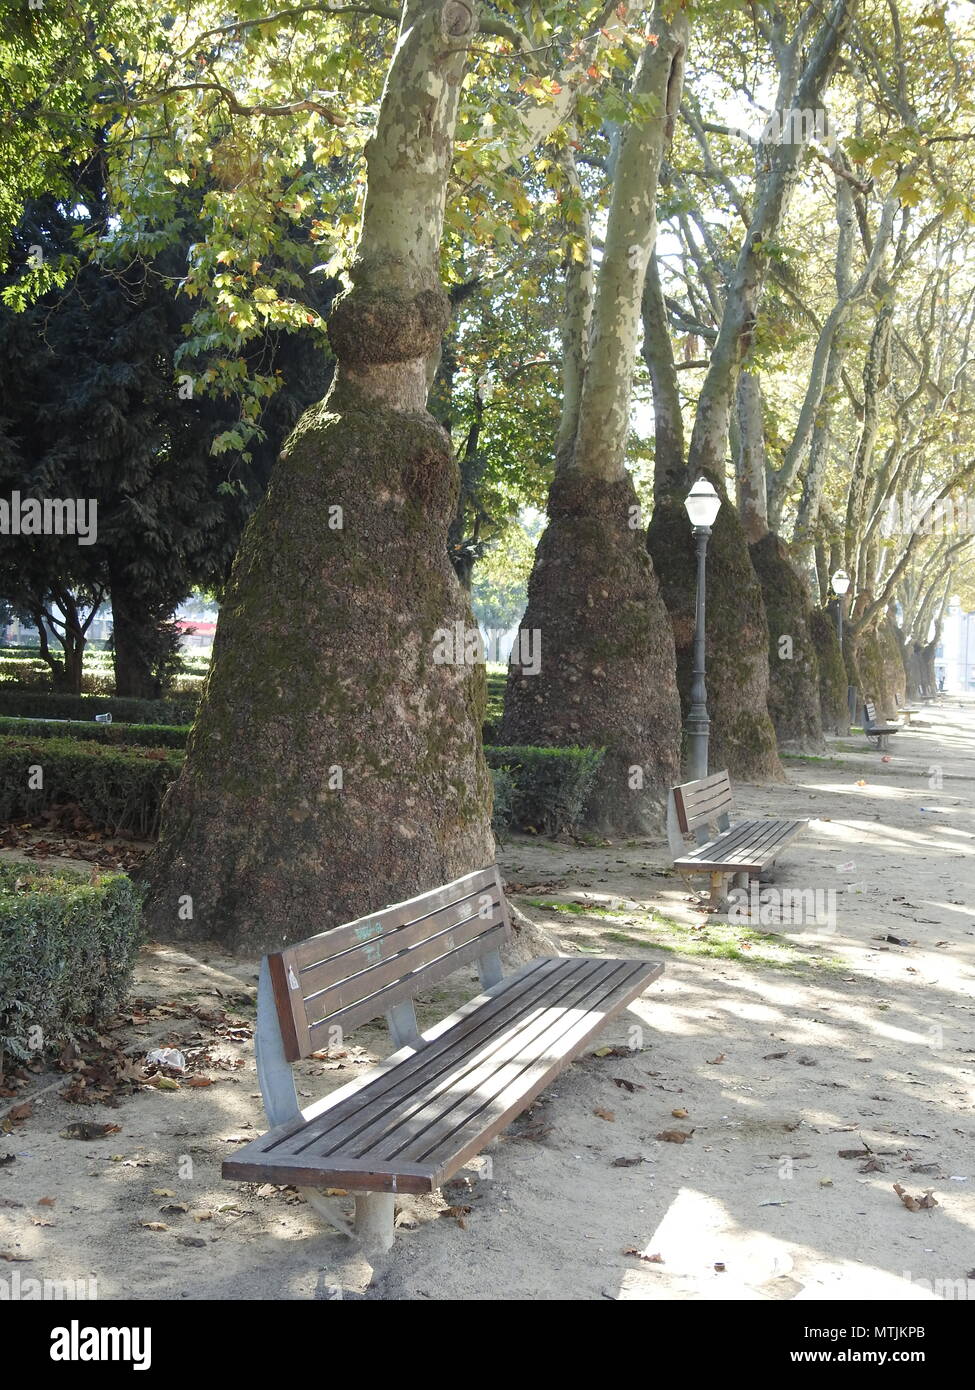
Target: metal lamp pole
<point>702,504</point>
<point>841,583</point>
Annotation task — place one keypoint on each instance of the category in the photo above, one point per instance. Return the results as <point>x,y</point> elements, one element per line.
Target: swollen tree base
<point>833,694</point>
<point>335,766</point>
<point>742,736</point>
<point>606,671</point>
<point>793,697</point>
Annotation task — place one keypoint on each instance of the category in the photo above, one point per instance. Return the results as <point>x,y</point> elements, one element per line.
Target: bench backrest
<point>704,801</point>
<point>358,971</point>
<point>870,710</point>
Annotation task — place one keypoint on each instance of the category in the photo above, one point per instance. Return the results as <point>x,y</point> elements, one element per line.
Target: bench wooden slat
<point>444,1050</point>
<point>757,843</point>
<point>539,1040</point>
<point>573,989</point>
<point>358,971</point>
<point>436,1069</point>
<point>374,965</point>
<point>702,801</point>
<point>527,1066</point>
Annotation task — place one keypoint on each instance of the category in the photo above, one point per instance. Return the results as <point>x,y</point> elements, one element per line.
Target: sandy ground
<point>784,1044</point>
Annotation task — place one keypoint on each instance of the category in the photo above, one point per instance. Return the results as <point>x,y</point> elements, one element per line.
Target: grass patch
<point>714,939</point>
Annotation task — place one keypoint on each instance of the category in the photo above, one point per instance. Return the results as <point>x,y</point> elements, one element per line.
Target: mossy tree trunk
<point>794,679</point>
<point>606,673</point>
<point>833,682</point>
<point>335,764</point>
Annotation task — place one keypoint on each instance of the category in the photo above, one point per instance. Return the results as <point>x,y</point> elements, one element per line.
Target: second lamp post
<point>702,504</point>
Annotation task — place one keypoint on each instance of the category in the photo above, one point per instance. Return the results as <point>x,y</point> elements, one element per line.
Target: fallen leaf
<point>626,1162</point>
<point>162,1192</point>
<point>625,1085</point>
<point>916,1203</point>
<point>13,1258</point>
<point>774,1056</point>
<point>46,1201</point>
<point>154,1225</point>
<point>200,1081</point>
<point>195,1241</point>
<point>715,1061</point>
<point>641,1255</point>
<point>675,1136</point>
<point>604,1114</point>
<point>85,1129</point>
<point>679,1114</point>
<point>174,1208</point>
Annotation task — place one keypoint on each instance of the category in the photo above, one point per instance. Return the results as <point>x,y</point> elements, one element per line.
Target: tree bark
<point>135,645</point>
<point>606,677</point>
<point>335,764</point>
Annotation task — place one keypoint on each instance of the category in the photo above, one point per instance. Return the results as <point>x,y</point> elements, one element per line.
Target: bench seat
<point>746,848</point>
<point>411,1123</point>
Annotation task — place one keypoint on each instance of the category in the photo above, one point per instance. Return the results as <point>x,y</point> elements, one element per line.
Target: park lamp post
<point>702,504</point>
<point>840,582</point>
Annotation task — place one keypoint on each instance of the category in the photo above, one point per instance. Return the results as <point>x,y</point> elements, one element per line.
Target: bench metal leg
<point>719,889</point>
<point>374,1216</point>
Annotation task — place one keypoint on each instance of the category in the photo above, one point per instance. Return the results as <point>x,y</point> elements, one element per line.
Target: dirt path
<point>785,1043</point>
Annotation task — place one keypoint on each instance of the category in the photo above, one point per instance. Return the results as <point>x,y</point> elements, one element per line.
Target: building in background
<point>954,656</point>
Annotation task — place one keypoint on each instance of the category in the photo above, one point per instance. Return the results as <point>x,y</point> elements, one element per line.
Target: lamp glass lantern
<point>702,504</point>
<point>840,582</point>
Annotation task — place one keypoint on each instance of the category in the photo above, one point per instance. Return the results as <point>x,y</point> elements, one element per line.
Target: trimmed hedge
<point>550,784</point>
<point>116,735</point>
<point>121,787</point>
<point>116,788</point>
<point>43,704</point>
<point>66,952</point>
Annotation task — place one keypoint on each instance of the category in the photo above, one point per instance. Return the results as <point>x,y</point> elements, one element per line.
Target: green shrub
<point>550,784</point>
<point>115,788</point>
<point>116,735</point>
<point>43,704</point>
<point>66,951</point>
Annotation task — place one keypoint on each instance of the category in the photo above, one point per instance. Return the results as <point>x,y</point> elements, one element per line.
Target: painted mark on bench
<point>372,950</point>
<point>292,977</point>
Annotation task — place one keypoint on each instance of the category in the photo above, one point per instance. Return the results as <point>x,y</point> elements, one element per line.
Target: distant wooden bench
<point>874,730</point>
<point>410,1123</point>
<point>736,851</point>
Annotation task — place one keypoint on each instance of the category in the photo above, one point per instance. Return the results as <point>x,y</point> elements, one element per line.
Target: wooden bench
<point>873,730</point>
<point>904,711</point>
<point>736,851</point>
<point>410,1123</point>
